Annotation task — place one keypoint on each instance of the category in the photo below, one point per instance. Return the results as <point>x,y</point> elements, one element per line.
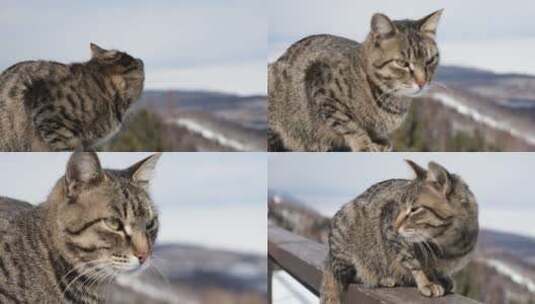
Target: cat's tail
<point>332,289</point>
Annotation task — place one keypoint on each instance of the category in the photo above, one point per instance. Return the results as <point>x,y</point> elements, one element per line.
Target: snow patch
<point>151,291</point>
<point>511,273</point>
<point>245,270</point>
<point>461,108</point>
<point>221,139</point>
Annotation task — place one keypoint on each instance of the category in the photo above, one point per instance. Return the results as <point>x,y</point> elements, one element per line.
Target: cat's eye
<point>432,60</point>
<point>415,209</point>
<point>151,224</point>
<point>114,224</point>
<point>402,63</point>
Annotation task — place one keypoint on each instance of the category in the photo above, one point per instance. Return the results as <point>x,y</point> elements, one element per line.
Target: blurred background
<point>306,189</point>
<point>483,98</point>
<point>212,242</point>
<point>205,64</point>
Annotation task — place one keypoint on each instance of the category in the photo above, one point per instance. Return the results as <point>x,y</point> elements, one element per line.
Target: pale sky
<point>500,181</point>
<point>203,44</point>
<point>210,199</point>
<point>494,35</point>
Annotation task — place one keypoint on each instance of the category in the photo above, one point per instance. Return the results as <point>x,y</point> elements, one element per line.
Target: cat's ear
<point>382,26</point>
<point>420,172</point>
<point>429,23</point>
<point>142,171</point>
<point>439,177</point>
<point>96,51</point>
<point>83,169</point>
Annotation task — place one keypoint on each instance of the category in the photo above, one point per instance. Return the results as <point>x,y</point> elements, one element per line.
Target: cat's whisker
<point>77,267</point>
<point>80,275</point>
<point>430,250</point>
<point>423,250</point>
<point>438,85</point>
<point>158,270</point>
<point>88,272</point>
<point>438,247</point>
<point>386,94</point>
<point>96,278</point>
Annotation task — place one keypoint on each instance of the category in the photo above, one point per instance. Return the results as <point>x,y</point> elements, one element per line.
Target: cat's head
<point>126,72</point>
<point>402,55</point>
<point>442,209</point>
<point>105,217</point>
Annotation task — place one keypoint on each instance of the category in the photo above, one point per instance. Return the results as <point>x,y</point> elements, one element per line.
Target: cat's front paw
<point>432,290</point>
<point>387,282</point>
<point>379,148</point>
<point>386,148</point>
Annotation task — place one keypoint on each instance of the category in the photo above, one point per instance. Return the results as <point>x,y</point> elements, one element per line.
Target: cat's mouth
<point>411,91</point>
<point>411,235</point>
<point>126,264</point>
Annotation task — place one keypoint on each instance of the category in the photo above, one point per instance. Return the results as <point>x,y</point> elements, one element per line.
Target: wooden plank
<point>303,260</point>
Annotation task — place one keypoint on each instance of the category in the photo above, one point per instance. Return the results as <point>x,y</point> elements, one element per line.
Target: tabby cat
<point>94,225</point>
<point>403,233</point>
<point>49,106</point>
<point>330,93</point>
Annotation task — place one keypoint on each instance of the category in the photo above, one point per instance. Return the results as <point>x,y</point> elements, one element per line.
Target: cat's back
<point>381,192</point>
<point>294,63</point>
<point>9,209</point>
<point>372,203</point>
<point>17,83</point>
<point>15,80</point>
<point>34,69</point>
<point>315,48</point>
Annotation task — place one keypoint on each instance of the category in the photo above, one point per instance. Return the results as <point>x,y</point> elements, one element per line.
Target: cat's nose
<point>141,246</point>
<point>142,257</point>
<point>421,83</point>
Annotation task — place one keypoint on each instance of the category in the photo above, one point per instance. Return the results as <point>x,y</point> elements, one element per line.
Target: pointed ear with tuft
<point>420,172</point>
<point>382,26</point>
<point>440,178</point>
<point>96,50</point>
<point>83,170</point>
<point>142,171</point>
<point>429,23</point>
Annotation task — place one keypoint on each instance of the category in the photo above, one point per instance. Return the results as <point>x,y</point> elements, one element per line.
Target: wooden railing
<point>303,260</point>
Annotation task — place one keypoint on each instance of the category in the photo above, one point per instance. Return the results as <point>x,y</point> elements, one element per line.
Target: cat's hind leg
<point>275,143</point>
<point>335,280</point>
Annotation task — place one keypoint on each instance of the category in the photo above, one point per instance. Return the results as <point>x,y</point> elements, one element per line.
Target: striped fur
<point>402,233</point>
<point>330,93</point>
<point>50,106</point>
<point>94,225</point>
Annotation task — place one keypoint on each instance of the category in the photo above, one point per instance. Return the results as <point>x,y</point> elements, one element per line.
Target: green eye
<point>151,224</point>
<point>114,224</point>
<point>432,60</point>
<point>402,63</point>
